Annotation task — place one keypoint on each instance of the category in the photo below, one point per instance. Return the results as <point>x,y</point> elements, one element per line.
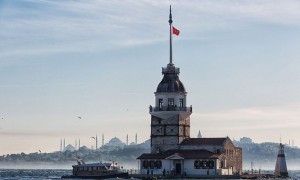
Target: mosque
<point>173,151</point>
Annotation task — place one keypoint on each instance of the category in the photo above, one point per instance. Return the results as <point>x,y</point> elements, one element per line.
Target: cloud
<point>271,11</point>
<point>40,24</point>
<point>256,118</point>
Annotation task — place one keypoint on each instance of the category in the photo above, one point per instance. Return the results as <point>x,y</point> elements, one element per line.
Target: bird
<point>40,151</point>
<point>93,138</point>
<point>79,117</point>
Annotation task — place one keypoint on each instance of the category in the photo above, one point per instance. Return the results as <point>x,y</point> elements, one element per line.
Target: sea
<point>30,174</point>
<point>44,174</point>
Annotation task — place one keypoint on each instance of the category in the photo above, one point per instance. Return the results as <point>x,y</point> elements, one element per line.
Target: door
<point>178,168</point>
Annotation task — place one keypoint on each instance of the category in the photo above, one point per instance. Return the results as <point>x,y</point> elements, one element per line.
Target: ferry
<point>96,171</point>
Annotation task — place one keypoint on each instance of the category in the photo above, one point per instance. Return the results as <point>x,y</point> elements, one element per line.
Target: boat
<point>96,171</point>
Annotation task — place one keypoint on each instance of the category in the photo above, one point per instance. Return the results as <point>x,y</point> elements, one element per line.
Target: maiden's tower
<point>173,151</point>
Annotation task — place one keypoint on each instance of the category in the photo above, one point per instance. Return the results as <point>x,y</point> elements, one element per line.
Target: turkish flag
<point>175,31</point>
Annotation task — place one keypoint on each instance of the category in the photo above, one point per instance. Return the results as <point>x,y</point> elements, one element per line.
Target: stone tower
<point>170,117</point>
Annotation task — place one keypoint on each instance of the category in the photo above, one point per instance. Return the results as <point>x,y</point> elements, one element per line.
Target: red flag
<point>175,31</point>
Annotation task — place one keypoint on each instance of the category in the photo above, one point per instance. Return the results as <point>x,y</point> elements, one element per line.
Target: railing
<point>132,171</point>
<point>170,70</point>
<point>170,108</point>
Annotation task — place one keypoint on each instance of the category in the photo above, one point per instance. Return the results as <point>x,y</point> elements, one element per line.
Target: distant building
<point>114,143</point>
<point>246,140</point>
<point>172,149</point>
<point>69,148</point>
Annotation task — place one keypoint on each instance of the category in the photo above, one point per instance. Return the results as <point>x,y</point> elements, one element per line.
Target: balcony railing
<point>170,70</point>
<point>170,108</point>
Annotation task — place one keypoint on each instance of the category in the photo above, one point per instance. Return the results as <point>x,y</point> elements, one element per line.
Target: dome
<point>115,140</point>
<point>170,83</point>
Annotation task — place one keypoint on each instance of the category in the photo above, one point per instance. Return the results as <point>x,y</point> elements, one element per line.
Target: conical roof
<point>170,81</point>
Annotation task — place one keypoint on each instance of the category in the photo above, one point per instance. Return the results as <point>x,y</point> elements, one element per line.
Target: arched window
<point>158,164</point>
<point>211,164</point>
<point>145,164</point>
<point>204,164</point>
<point>152,164</point>
<point>197,164</point>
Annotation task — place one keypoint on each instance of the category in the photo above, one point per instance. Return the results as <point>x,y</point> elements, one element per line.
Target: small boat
<point>96,171</point>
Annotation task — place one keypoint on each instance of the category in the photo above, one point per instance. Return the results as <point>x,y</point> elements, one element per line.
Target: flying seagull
<point>93,138</point>
<point>79,117</point>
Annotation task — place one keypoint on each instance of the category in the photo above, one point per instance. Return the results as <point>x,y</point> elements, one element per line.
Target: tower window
<point>170,102</point>
<point>180,102</point>
<point>160,103</point>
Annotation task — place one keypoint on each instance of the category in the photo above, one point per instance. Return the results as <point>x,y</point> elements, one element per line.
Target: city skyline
<point>101,61</point>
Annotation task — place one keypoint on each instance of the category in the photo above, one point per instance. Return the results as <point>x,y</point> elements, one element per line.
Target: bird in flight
<point>79,117</point>
<point>93,138</point>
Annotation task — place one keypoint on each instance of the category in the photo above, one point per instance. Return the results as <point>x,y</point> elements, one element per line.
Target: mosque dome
<point>115,140</point>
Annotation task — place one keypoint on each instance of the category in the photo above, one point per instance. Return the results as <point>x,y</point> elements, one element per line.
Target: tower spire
<point>170,22</point>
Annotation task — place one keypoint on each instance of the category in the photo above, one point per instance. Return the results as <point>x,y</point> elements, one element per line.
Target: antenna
<point>280,138</point>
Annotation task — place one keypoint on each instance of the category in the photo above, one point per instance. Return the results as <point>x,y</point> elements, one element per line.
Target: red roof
<point>185,154</point>
<point>203,141</point>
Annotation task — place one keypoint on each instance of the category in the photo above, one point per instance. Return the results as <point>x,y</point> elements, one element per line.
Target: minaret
<point>96,142</point>
<point>64,144</point>
<point>60,144</point>
<point>170,118</point>
<point>281,168</point>
<point>78,143</point>
<point>102,139</point>
<point>199,135</point>
<point>75,144</point>
<point>127,140</point>
<point>136,138</point>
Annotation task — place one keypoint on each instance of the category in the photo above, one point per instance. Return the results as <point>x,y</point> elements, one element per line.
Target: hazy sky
<point>102,60</point>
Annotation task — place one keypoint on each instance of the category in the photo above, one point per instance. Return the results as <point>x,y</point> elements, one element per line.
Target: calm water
<point>28,174</point>
<point>34,174</point>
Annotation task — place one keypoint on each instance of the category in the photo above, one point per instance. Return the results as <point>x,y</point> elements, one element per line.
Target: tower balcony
<point>170,70</point>
<point>170,108</point>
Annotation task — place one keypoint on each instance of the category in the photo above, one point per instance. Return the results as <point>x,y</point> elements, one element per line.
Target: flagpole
<point>170,22</point>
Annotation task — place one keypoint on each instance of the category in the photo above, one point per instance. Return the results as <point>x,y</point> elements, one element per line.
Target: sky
<point>101,60</point>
